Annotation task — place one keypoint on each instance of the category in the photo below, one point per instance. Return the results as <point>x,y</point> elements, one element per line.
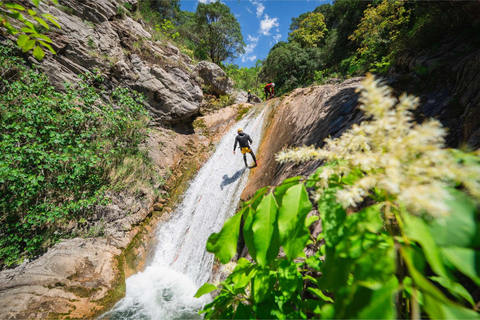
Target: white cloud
<point>259,8</point>
<point>249,58</point>
<point>249,49</point>
<point>277,37</point>
<point>252,39</point>
<point>268,23</point>
<point>207,1</point>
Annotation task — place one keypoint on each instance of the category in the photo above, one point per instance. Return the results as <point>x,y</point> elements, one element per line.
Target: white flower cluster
<point>405,159</point>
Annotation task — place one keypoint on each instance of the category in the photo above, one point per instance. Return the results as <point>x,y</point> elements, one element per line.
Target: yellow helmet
<point>239,130</point>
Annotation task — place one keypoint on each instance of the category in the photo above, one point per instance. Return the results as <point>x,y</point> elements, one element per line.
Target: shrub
<point>399,254</point>
<point>57,151</point>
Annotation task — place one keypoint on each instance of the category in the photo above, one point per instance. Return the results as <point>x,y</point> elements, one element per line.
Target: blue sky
<point>263,23</point>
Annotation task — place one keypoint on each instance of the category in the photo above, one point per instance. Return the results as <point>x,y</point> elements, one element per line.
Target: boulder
<point>94,36</point>
<point>214,77</point>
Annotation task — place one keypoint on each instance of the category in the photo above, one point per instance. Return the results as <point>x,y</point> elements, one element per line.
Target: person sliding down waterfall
<point>244,142</point>
<point>269,90</point>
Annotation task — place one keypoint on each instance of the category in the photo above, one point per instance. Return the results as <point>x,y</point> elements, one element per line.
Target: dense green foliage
<point>310,31</point>
<point>393,255</point>
<point>57,151</point>
<point>245,78</point>
<point>221,37</point>
<point>29,37</point>
<point>362,36</point>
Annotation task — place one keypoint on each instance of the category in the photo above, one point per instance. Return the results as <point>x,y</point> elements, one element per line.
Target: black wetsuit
<point>244,141</point>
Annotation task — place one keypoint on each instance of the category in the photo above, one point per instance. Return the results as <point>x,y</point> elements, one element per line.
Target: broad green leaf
<point>46,45</point>
<point>465,260</point>
<point>460,228</point>
<point>41,36</point>
<point>289,278</point>
<point>248,232</point>
<point>27,30</point>
<point>320,294</point>
<point>380,303</point>
<point>310,220</point>
<point>206,288</point>
<point>261,285</point>
<point>15,6</point>
<point>449,310</point>
<point>333,217</point>
<point>281,189</point>
<point>312,180</point>
<point>265,230</point>
<point>42,22</point>
<point>36,2</point>
<point>243,312</point>
<point>417,230</point>
<point>52,19</point>
<point>32,13</point>
<point>28,45</point>
<point>291,220</point>
<point>38,53</point>
<point>224,243</point>
<point>455,288</point>
<point>22,40</point>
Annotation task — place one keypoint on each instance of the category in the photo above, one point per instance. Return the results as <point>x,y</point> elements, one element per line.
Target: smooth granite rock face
<point>95,36</point>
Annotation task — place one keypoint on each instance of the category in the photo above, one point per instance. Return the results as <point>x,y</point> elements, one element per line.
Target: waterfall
<point>181,263</point>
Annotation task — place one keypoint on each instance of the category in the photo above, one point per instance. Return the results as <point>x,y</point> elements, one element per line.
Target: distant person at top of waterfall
<point>244,142</point>
<point>249,96</point>
<point>269,90</point>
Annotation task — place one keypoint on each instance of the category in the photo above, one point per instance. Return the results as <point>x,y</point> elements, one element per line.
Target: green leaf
<point>261,285</point>
<point>206,288</point>
<point>41,36</point>
<point>289,278</point>
<point>265,230</point>
<point>32,13</point>
<point>465,260</point>
<point>281,189</point>
<point>38,53</point>
<point>52,19</point>
<point>36,2</point>
<point>257,197</point>
<point>380,303</point>
<point>15,6</point>
<point>42,22</point>
<point>417,230</point>
<point>243,312</point>
<point>333,217</point>
<point>22,40</point>
<point>455,288</point>
<point>49,47</point>
<point>310,220</point>
<point>291,220</point>
<point>248,232</point>
<point>460,228</point>
<point>29,45</point>
<point>224,243</point>
<point>320,294</point>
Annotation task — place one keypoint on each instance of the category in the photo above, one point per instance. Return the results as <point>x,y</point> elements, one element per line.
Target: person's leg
<point>254,159</point>
<point>245,159</point>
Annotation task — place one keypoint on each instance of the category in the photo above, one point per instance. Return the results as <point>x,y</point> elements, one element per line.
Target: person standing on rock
<point>244,142</point>
<point>269,90</point>
<point>249,96</point>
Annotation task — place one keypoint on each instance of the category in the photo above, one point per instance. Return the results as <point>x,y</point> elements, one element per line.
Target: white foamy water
<point>181,263</point>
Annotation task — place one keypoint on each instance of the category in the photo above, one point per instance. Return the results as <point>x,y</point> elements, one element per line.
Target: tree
<point>221,34</point>
<point>168,9</point>
<point>311,30</point>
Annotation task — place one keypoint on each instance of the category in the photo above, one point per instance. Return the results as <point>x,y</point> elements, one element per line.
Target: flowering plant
<point>399,255</point>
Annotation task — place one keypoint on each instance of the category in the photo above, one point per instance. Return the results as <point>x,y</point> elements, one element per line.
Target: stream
<point>181,264</point>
